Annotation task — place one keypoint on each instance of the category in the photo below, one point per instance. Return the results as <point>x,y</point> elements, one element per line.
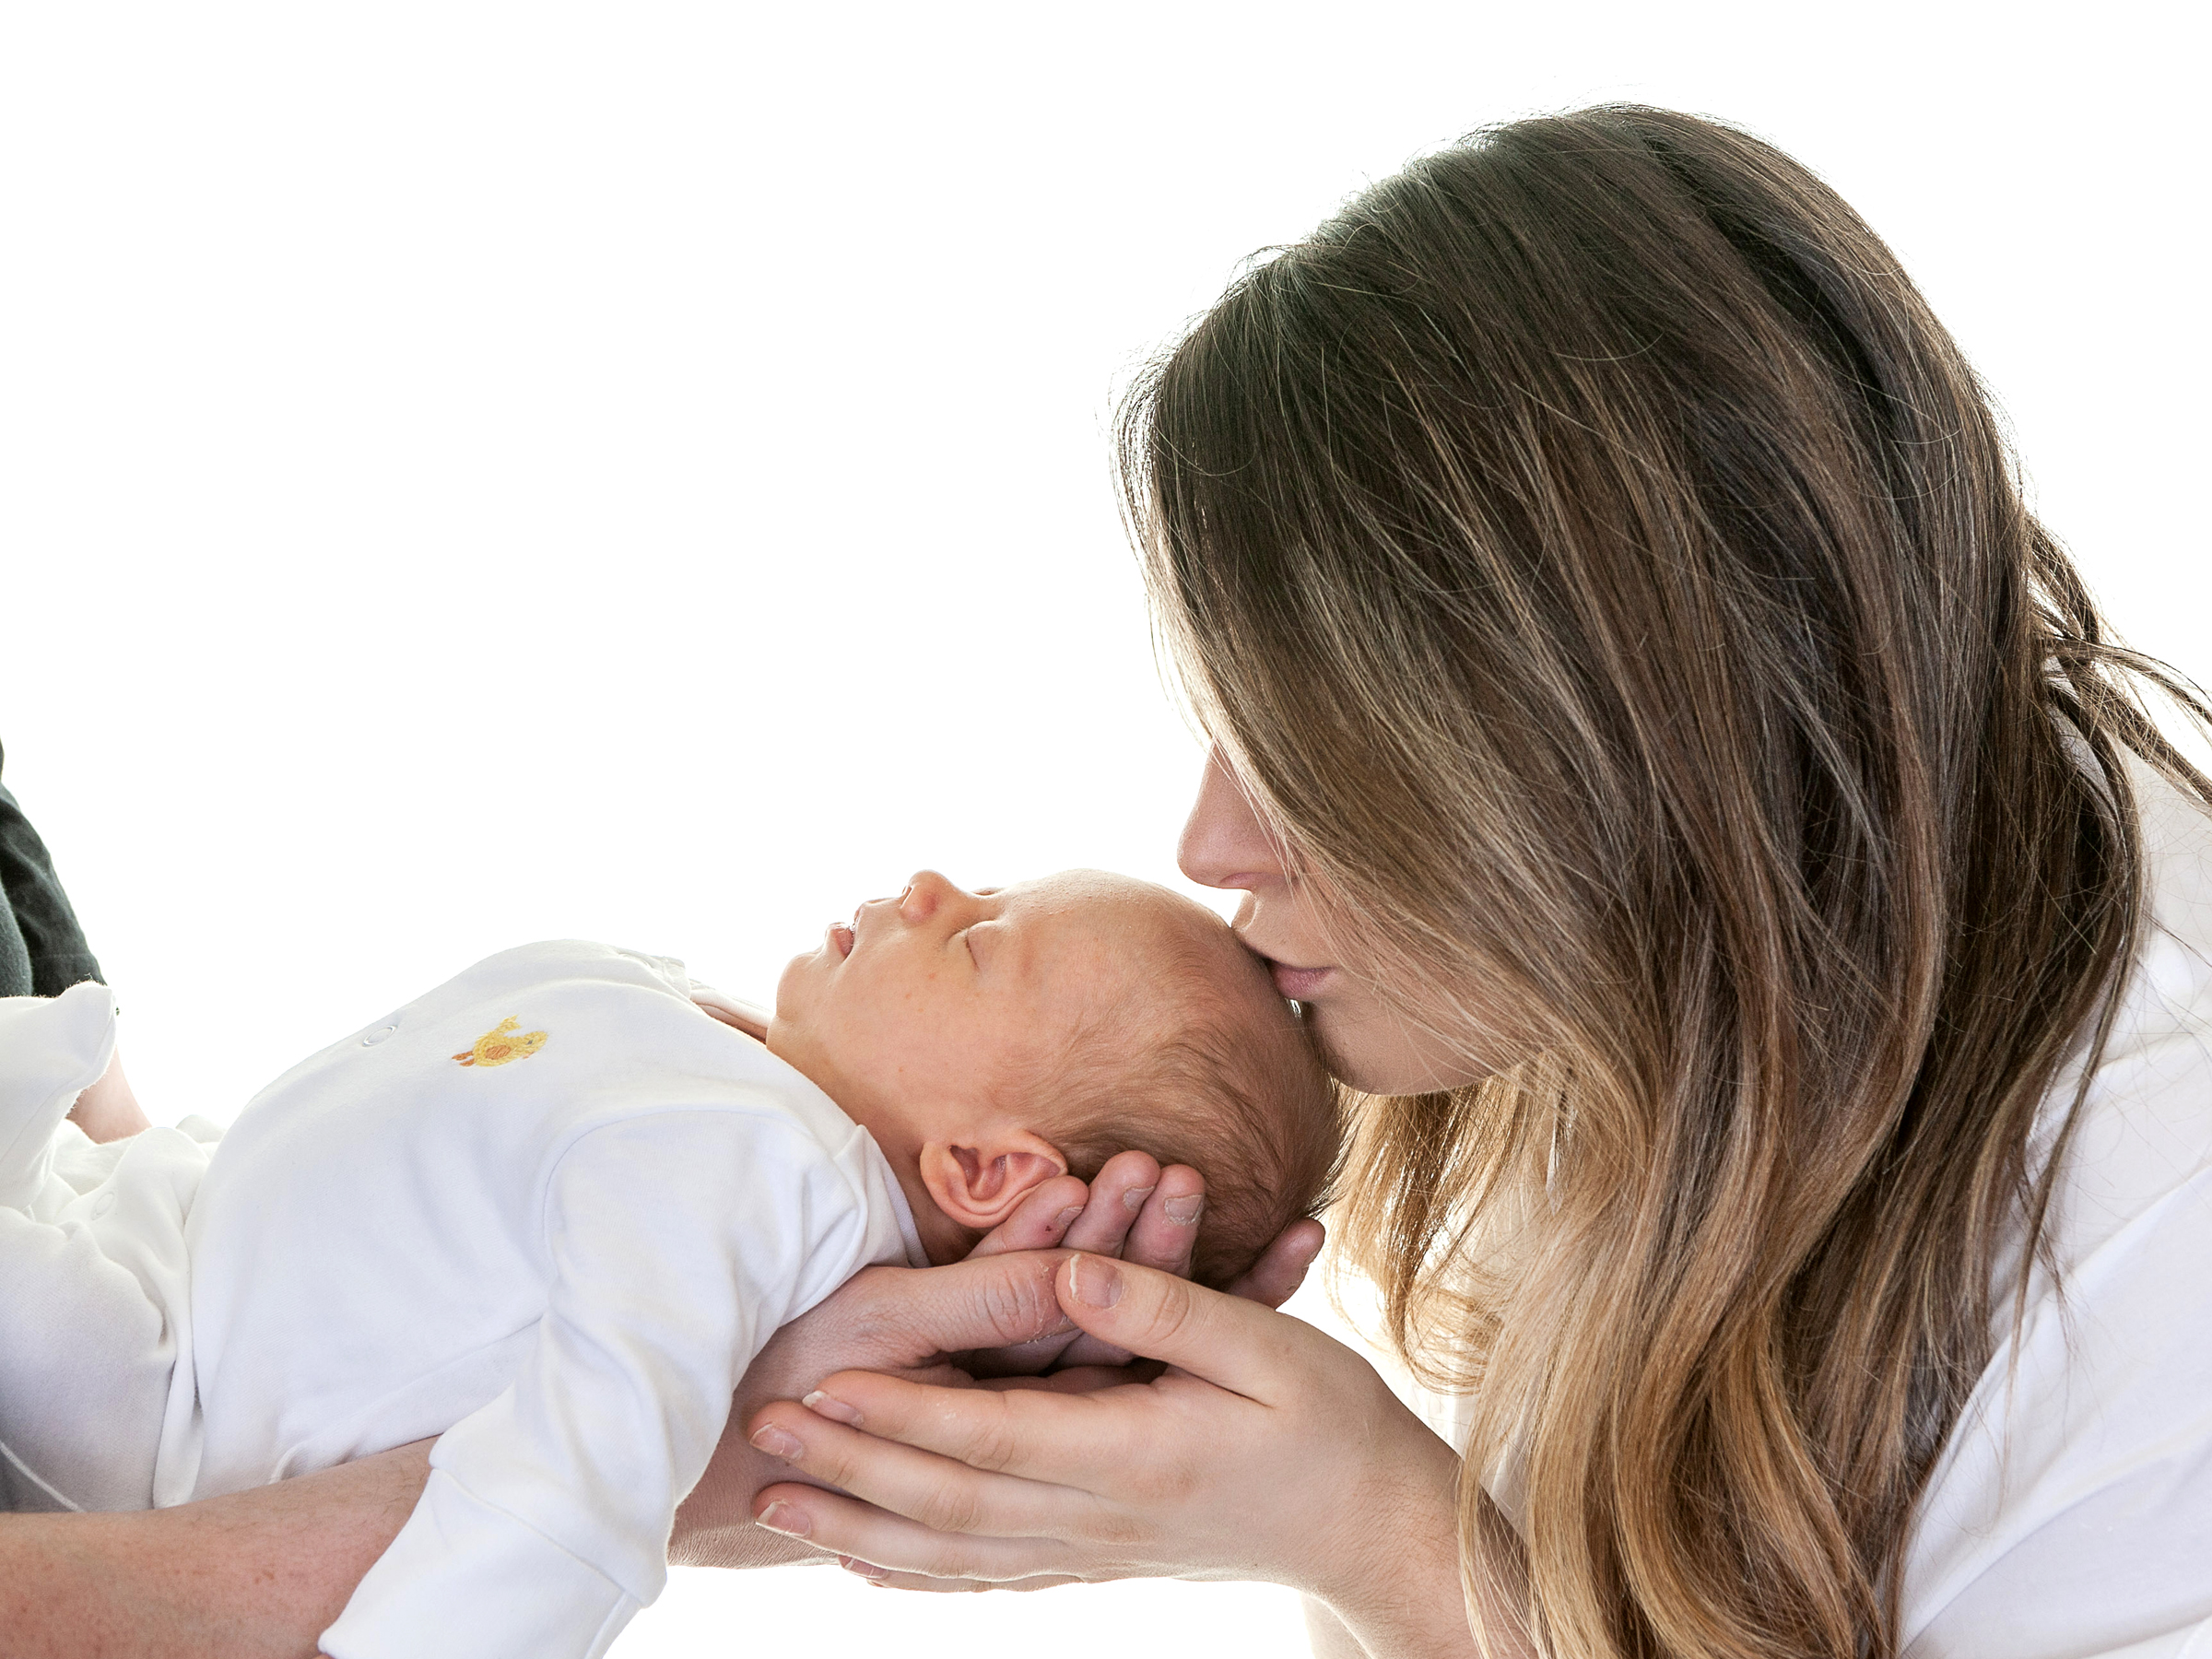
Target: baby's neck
<point>943,1239</point>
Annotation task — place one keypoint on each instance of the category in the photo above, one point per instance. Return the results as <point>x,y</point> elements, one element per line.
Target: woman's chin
<point>1377,1054</point>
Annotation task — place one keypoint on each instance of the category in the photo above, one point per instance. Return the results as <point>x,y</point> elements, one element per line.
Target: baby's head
<point>992,1039</point>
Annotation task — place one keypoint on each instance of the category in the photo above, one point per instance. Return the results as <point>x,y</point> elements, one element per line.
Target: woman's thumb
<point>1221,1338</point>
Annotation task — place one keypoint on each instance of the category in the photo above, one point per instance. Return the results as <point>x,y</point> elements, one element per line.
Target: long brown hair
<point>1612,584</point>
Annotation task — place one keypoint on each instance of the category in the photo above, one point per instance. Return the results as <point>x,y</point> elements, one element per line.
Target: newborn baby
<point>552,1210</point>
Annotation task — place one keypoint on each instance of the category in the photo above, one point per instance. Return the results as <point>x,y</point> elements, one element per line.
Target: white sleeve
<point>677,1243</point>
<point>95,1334</point>
<point>2071,1517</point>
<point>85,1357</point>
<point>52,1049</point>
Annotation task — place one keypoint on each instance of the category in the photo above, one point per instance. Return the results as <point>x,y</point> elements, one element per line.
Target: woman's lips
<point>1299,984</point>
<point>841,939</point>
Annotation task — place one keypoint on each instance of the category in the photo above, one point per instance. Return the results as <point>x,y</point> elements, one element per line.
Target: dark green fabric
<point>43,950</point>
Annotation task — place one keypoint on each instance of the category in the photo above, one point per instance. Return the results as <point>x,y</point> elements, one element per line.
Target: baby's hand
<point>109,1111</point>
<point>1132,1210</point>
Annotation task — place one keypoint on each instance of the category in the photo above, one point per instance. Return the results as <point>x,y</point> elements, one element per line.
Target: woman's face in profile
<point>1316,965</point>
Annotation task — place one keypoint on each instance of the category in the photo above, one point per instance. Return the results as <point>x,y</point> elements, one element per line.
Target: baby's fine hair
<point>1216,1071</point>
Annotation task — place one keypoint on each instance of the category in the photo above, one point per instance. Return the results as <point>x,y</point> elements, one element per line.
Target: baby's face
<point>936,1001</point>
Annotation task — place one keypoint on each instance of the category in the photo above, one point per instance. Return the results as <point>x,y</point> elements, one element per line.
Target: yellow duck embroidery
<point>495,1047</point>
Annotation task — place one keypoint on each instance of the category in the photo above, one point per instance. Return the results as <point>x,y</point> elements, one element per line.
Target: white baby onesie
<point>549,1212</point>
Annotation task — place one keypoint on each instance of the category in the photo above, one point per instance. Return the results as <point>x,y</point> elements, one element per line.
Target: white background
<point>472,473</point>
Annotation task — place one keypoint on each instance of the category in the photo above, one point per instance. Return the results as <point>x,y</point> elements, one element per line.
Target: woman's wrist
<point>1394,1579</point>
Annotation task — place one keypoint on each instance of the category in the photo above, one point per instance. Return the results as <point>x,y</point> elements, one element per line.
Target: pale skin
<point>260,1574</point>
<point>109,1110</point>
<point>929,1015</point>
<point>1267,1451</point>
<point>263,1572</point>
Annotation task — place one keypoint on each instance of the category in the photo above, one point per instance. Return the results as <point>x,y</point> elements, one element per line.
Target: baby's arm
<point>676,1243</point>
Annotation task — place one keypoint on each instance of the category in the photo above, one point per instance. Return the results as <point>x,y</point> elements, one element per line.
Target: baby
<point>552,1210</point>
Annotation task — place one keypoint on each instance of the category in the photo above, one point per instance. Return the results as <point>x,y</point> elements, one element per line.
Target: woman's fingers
<point>898,1444</point>
<point>1090,1352</point>
<point>884,1579</point>
<point>981,1460</point>
<point>1075,1379</point>
<point>908,1319</point>
<point>1227,1340</point>
<point>1046,1434</point>
<point>1283,1266</point>
<point>1040,1222</point>
<point>1165,1232</point>
<point>845,1526</point>
<point>935,1492</point>
<point>1118,1192</point>
<point>1024,1359</point>
<point>1156,1224</point>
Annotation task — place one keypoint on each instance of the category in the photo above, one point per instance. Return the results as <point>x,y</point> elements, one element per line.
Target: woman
<point>1695,805</point>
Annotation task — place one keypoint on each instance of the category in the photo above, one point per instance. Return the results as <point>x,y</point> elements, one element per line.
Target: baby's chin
<point>794,987</point>
<point>794,983</point>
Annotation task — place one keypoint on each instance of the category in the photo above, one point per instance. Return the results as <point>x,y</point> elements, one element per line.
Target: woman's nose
<point>1224,843</point>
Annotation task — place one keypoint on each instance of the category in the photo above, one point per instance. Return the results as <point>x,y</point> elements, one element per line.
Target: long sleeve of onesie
<point>93,1277</point>
<point>676,1243</point>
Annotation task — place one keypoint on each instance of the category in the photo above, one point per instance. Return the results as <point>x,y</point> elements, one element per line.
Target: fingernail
<point>1135,1197</point>
<point>1095,1280</point>
<point>867,1569</point>
<point>1187,1209</point>
<point>830,1406</point>
<point>1066,1218</point>
<point>778,1442</point>
<point>787,1519</point>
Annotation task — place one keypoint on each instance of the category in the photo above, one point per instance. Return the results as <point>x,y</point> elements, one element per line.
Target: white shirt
<point>2071,1512</point>
<point>2070,1516</point>
<point>549,1212</point>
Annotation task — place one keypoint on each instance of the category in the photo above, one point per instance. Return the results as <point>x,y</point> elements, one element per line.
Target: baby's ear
<point>980,1185</point>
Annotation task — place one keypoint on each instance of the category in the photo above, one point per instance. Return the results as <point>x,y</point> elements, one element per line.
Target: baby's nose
<point>925,890</point>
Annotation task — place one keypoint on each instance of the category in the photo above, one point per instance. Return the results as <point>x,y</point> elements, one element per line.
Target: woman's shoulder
<point>2144,1128</point>
<point>2071,1513</point>
<point>2176,959</point>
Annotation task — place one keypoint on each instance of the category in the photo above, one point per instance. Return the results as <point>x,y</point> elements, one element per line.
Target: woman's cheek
<point>1377,1051</point>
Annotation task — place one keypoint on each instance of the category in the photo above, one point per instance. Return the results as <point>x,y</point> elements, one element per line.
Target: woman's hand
<point>993,1312</point>
<point>1132,1210</point>
<point>905,1321</point>
<point>1265,1452</point>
